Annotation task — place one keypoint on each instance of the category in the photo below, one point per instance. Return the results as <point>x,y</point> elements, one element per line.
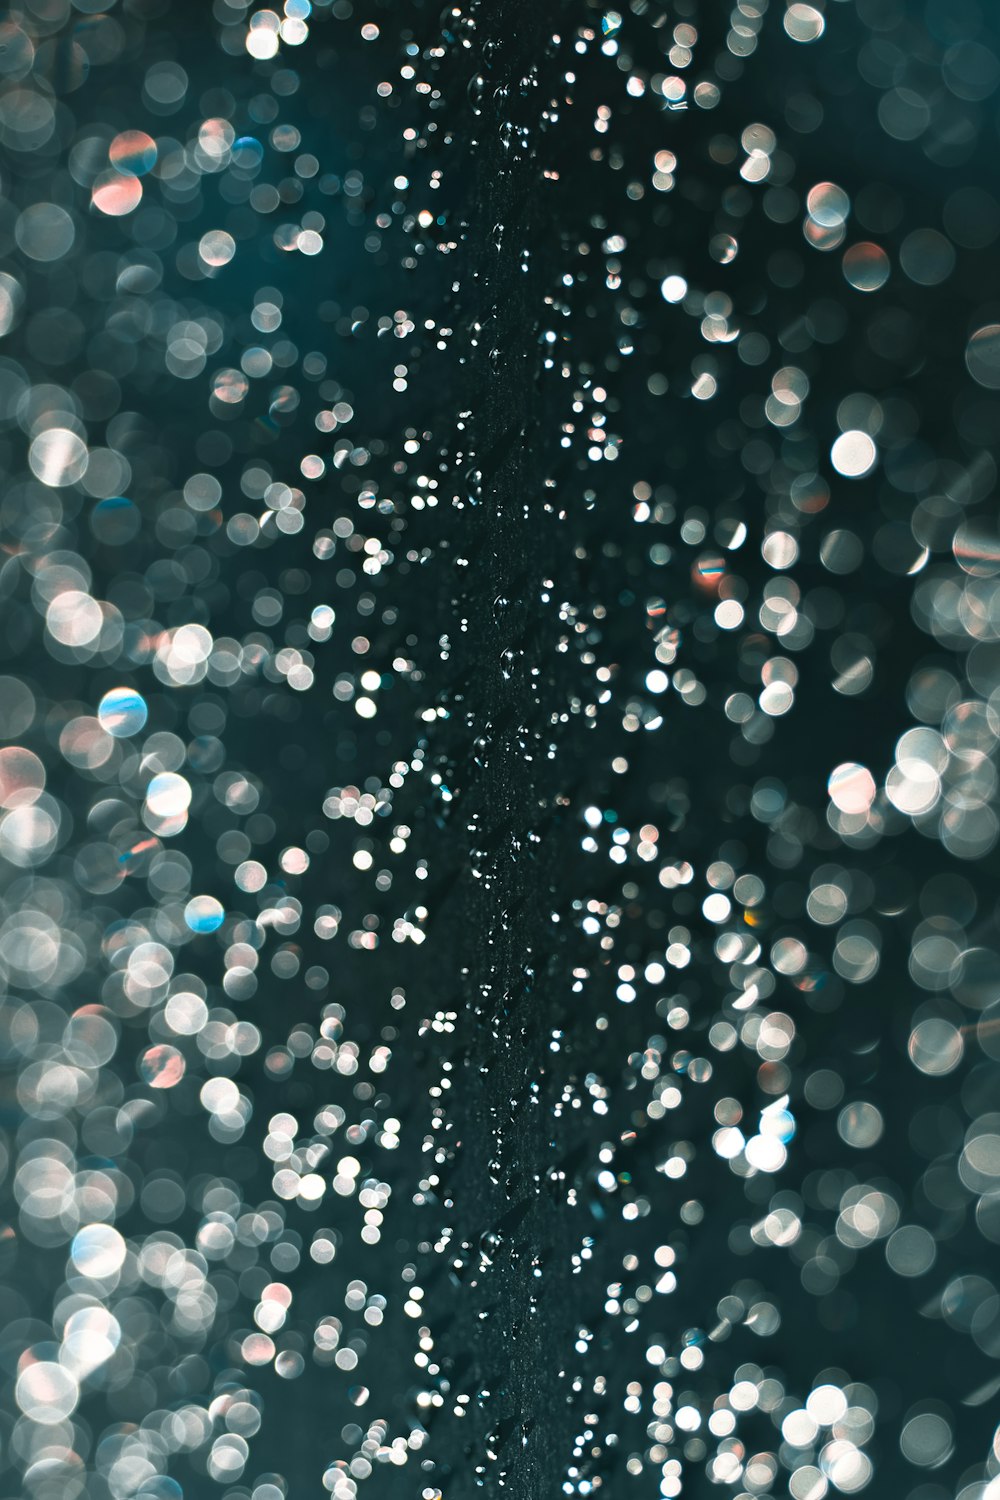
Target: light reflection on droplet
<point>133,152</point>
<point>116,195</point>
<point>866,266</point>
<point>122,712</point>
<point>98,1250</point>
<point>168,795</point>
<point>204,914</point>
<point>982,356</point>
<point>853,454</point>
<point>162,1066</point>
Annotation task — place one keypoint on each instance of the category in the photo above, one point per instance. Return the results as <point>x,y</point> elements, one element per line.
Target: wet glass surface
<point>499,710</point>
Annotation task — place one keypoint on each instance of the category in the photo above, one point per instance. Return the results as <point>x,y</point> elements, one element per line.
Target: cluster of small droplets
<point>239,734</point>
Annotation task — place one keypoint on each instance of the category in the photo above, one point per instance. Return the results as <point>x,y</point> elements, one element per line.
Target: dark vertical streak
<point>511,759</point>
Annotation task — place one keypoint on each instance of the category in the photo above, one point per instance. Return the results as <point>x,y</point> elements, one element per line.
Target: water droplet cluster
<point>499,712</point>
